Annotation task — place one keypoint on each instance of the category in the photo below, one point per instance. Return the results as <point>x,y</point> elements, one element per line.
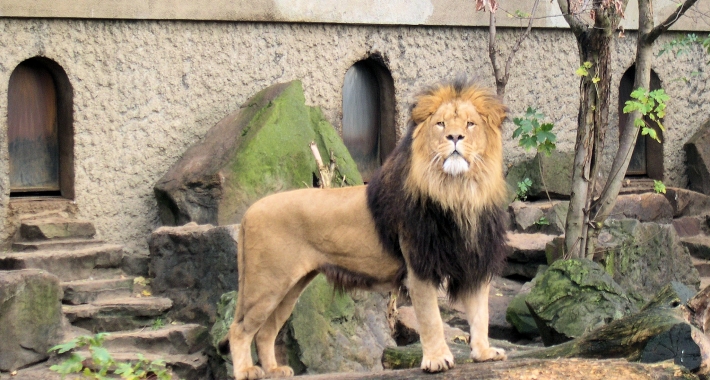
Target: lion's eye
<point>440,124</point>
<point>470,124</point>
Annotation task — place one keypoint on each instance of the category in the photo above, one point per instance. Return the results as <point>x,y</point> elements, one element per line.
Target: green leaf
<point>101,356</point>
<point>528,142</point>
<point>64,347</point>
<point>596,80</point>
<point>74,364</point>
<point>587,65</point>
<point>582,72</point>
<point>639,93</point>
<point>659,187</point>
<point>639,123</point>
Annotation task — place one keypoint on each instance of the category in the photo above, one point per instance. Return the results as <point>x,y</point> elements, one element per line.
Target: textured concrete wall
<point>145,90</point>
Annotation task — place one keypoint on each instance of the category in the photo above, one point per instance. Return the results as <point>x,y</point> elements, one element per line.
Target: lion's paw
<point>488,354</point>
<point>249,373</point>
<point>280,371</point>
<point>438,364</point>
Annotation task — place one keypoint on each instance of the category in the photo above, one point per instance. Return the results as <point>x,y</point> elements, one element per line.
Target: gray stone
<point>574,297</point>
<point>647,207</point>
<point>194,265</point>
<point>518,313</point>
<point>687,202</point>
<point>30,317</point>
<point>698,246</point>
<point>687,226</point>
<point>539,217</point>
<point>697,155</point>
<point>527,253</point>
<point>643,257</point>
<point>56,227</point>
<point>556,174</point>
<point>260,149</point>
<point>117,314</point>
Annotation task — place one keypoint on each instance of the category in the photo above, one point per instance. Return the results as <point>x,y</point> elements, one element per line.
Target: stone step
<point>703,266</point>
<point>698,246</point>
<point>86,291</point>
<point>527,252</point>
<point>61,244</point>
<point>171,339</point>
<point>126,313</point>
<point>183,366</point>
<point>55,228</point>
<point>94,262</point>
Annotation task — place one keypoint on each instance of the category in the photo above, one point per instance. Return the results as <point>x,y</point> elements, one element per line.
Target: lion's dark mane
<point>440,249</point>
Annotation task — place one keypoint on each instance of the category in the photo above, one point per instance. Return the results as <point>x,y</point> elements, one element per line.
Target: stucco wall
<point>145,90</point>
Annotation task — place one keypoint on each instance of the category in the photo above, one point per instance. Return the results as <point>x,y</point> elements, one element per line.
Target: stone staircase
<point>99,296</point>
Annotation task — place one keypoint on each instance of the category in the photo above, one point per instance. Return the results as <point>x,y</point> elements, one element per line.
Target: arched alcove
<point>647,158</point>
<point>40,130</point>
<point>368,114</point>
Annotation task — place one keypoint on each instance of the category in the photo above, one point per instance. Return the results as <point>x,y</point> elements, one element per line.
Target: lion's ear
<point>425,107</point>
<point>495,112</point>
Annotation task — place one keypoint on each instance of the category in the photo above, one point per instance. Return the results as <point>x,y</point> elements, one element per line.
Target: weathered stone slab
<point>698,246</point>
<point>56,228</point>
<point>697,155</point>
<point>574,297</point>
<point>527,253</point>
<point>30,317</point>
<point>687,202</point>
<point>647,207</point>
<point>539,217</point>
<point>556,174</point>
<point>260,149</point>
<point>117,314</point>
<point>194,265</point>
<point>687,226</point>
<point>643,257</point>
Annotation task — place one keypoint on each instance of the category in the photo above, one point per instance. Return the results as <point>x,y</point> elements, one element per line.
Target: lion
<point>431,216</point>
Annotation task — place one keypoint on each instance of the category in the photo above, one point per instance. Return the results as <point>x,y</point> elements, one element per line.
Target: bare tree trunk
<point>644,57</point>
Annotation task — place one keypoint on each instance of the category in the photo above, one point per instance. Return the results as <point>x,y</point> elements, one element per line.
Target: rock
<point>527,253</point>
<point>574,297</point>
<point>687,226</point>
<point>30,317</point>
<point>327,332</point>
<point>557,169</point>
<point>407,329</point>
<point>647,207</point>
<point>687,202</point>
<point>193,265</point>
<point>539,217</point>
<point>518,313</point>
<point>643,257</point>
<point>340,333</point>
<point>698,246</point>
<point>697,155</point>
<point>260,149</point>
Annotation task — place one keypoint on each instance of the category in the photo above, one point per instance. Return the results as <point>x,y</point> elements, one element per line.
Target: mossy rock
<point>260,149</point>
<point>644,257</point>
<point>556,174</point>
<point>574,297</point>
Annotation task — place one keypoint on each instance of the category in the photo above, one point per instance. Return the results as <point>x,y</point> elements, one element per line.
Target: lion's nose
<point>455,138</point>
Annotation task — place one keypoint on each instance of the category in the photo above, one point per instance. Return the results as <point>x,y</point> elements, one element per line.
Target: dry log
<point>560,369</point>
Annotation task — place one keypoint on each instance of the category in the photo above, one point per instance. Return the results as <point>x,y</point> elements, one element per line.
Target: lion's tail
<point>223,345</point>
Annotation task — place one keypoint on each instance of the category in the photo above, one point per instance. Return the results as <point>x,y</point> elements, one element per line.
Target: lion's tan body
<point>451,157</point>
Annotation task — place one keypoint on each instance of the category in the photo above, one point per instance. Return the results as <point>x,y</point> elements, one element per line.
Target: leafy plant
<point>543,221</point>
<point>659,187</point>
<point>103,362</point>
<point>158,323</point>
<point>682,45</point>
<point>523,189</point>
<point>533,134</point>
<point>651,104</point>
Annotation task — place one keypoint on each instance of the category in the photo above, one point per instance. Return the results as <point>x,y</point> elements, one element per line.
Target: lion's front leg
<point>437,356</point>
<point>476,305</point>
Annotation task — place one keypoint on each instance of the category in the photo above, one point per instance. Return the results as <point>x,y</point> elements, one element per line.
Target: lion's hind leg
<point>476,305</point>
<point>266,337</point>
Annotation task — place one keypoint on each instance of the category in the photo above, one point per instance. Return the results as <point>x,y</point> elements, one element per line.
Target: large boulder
<point>644,257</point>
<point>261,148</point>
<point>30,317</point>
<point>556,175</point>
<point>193,265</point>
<point>327,332</point>
<point>574,297</point>
<point>646,207</point>
<point>687,202</point>
<point>543,216</point>
<point>697,155</point>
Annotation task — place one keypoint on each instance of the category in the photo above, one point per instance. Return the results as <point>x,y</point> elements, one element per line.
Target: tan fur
<point>285,239</point>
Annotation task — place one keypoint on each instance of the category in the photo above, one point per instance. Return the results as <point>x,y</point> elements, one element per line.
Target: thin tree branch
<point>578,27</point>
<point>668,22</point>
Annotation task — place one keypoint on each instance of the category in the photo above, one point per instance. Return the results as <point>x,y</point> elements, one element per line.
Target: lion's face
<point>456,151</point>
<point>457,138</point>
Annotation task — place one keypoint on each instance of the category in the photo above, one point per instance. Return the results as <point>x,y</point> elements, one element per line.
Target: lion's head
<point>456,149</point>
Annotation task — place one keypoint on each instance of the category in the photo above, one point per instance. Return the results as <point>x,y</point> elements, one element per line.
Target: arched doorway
<point>40,133</point>
<point>647,157</point>
<point>368,114</point>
